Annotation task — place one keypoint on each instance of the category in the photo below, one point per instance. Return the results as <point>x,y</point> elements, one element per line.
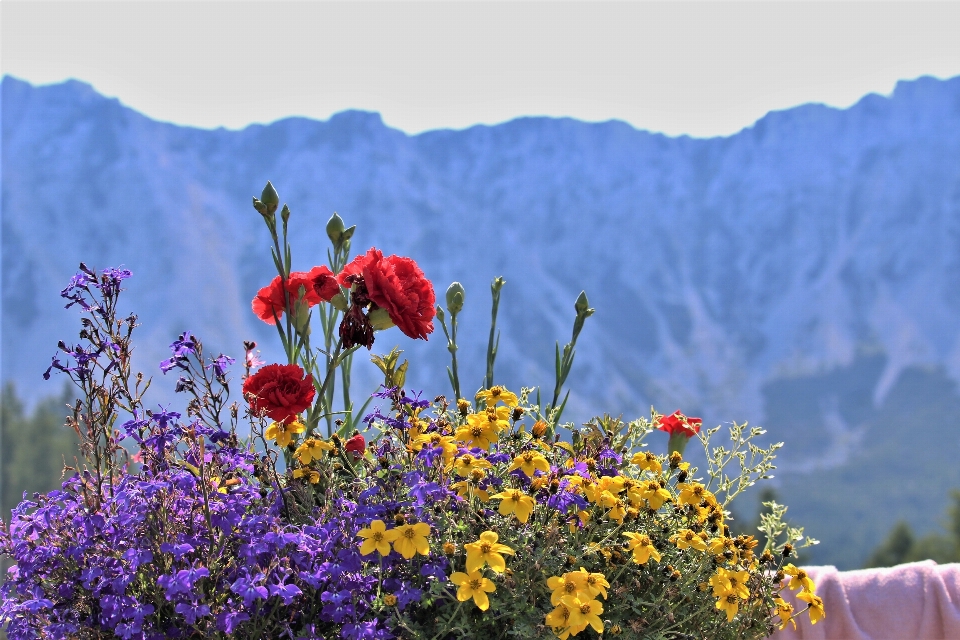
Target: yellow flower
<point>654,494</point>
<point>529,461</point>
<point>498,394</point>
<point>473,585</point>
<point>466,488</point>
<point>725,582</point>
<point>729,604</point>
<point>559,618</point>
<point>411,539</point>
<point>584,612</point>
<point>376,537</point>
<point>312,449</point>
<point>642,547</point>
<point>467,464</point>
<point>283,433</point>
<point>799,578</point>
<point>596,583</point>
<point>310,474</point>
<point>617,512</point>
<point>692,493</point>
<point>686,538</point>
<point>721,545</point>
<point>816,606</point>
<point>434,440</point>
<point>571,583</point>
<point>478,432</point>
<point>515,501</point>
<point>785,611</point>
<point>647,461</point>
<point>487,550</point>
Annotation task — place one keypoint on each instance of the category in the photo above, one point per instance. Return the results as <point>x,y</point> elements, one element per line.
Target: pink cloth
<point>907,602</point>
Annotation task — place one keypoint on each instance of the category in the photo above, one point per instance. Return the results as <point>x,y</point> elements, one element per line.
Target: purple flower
<point>220,364</point>
<point>191,612</point>
<point>246,589</point>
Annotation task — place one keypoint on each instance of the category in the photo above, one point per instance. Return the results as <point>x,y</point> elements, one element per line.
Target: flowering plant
<point>425,518</point>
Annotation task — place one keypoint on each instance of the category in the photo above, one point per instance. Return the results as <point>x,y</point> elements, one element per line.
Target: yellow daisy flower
<point>515,501</point>
<point>596,584</point>
<point>473,585</point>
<point>584,612</point>
<point>411,539</point>
<point>478,432</point>
<point>654,494</point>
<point>530,461</point>
<point>642,547</point>
<point>312,449</point>
<point>647,461</point>
<point>799,578</point>
<point>729,604</point>
<point>467,464</point>
<point>311,475</point>
<point>785,611</point>
<point>281,433</point>
<point>487,550</point>
<point>376,538</point>
<point>571,583</point>
<point>496,394</point>
<point>686,538</point>
<point>816,606</point>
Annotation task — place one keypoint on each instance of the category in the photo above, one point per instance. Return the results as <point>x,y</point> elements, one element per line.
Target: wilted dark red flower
<point>676,422</point>
<point>279,391</point>
<point>356,445</point>
<point>319,285</point>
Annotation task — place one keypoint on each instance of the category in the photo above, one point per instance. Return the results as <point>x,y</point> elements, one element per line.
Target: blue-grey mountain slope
<point>803,274</point>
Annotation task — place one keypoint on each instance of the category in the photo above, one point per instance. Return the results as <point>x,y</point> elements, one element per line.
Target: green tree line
<point>902,545</point>
<point>33,447</point>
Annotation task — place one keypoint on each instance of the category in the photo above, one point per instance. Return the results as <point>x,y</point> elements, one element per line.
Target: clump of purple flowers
<point>176,528</point>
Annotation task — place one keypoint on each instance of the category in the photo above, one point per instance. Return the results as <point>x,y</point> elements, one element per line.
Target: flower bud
<point>270,198</point>
<point>455,295</point>
<point>380,319</point>
<point>449,548</point>
<point>440,314</point>
<point>335,228</point>
<point>339,302</point>
<point>582,305</point>
<point>285,214</point>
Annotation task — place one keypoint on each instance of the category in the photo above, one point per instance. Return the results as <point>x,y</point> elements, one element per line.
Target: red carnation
<point>398,285</point>
<point>677,423</point>
<point>279,391</point>
<point>319,285</point>
<point>356,445</point>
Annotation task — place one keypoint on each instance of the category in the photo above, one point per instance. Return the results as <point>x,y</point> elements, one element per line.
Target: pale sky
<point>697,68</point>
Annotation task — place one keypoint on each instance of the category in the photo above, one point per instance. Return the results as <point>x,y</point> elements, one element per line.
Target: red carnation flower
<point>399,286</point>
<point>356,445</point>
<point>677,423</point>
<point>319,285</point>
<point>279,391</point>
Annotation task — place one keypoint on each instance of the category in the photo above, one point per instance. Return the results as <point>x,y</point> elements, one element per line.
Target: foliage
<point>441,519</point>
<point>901,545</point>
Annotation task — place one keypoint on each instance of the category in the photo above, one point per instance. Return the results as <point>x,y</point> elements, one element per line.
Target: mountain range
<point>802,274</point>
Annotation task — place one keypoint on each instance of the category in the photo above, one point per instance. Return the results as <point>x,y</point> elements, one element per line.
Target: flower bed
<point>278,515</point>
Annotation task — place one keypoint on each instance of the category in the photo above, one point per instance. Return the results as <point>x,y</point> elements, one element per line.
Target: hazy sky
<point>702,69</point>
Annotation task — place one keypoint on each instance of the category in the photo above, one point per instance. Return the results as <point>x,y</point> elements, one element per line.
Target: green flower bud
<point>440,314</point>
<point>270,197</point>
<point>455,294</point>
<point>285,214</point>
<point>582,305</point>
<point>339,302</point>
<point>497,284</point>
<point>335,228</point>
<point>259,206</point>
<point>380,319</point>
